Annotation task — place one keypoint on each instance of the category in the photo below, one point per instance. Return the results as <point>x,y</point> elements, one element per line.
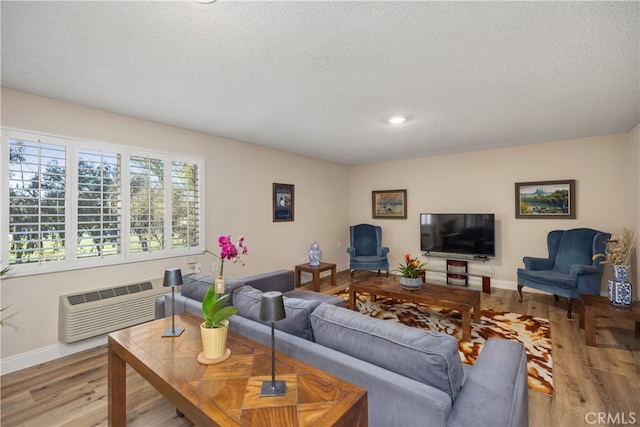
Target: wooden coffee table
<point>227,393</point>
<point>592,306</point>
<point>462,300</point>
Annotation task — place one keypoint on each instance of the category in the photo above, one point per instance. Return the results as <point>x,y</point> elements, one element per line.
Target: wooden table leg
<point>477,312</point>
<point>590,327</point>
<point>316,280</point>
<point>297,280</point>
<point>333,276</point>
<point>352,299</point>
<point>638,330</point>
<point>581,315</point>
<point>466,324</point>
<point>117,384</point>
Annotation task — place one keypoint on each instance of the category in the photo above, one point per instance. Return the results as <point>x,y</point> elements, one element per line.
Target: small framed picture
<point>391,204</point>
<point>546,199</point>
<point>283,202</point>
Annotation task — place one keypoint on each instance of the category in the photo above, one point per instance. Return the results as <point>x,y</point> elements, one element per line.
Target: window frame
<point>72,261</point>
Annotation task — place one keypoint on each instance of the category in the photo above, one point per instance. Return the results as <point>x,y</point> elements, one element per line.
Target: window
<point>73,204</point>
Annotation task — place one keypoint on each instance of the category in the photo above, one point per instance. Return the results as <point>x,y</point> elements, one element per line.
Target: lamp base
<point>171,332</point>
<point>267,390</point>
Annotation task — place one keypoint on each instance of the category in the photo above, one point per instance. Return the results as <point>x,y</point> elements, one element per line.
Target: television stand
<point>457,273</point>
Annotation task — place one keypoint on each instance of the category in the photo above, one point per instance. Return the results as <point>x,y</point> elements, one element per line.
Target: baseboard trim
<point>46,354</point>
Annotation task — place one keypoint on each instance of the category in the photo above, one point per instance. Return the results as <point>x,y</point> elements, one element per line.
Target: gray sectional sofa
<point>413,377</point>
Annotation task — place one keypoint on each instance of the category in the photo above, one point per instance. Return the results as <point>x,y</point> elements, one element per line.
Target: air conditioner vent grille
<point>106,310</point>
<point>109,293</point>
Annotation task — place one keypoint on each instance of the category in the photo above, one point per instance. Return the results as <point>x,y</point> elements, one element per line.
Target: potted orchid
<point>410,272</point>
<point>216,314</point>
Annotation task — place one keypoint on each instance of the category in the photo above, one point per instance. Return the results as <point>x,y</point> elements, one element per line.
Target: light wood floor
<point>594,385</point>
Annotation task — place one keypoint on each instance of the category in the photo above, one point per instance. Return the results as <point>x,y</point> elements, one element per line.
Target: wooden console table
<point>227,393</point>
<point>315,271</point>
<point>592,306</point>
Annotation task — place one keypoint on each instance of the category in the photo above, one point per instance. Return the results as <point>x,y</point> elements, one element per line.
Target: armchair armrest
<point>383,251</point>
<point>351,250</point>
<point>533,263</point>
<point>579,269</point>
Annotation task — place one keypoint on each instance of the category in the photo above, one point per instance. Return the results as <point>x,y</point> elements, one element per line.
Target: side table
<point>592,306</point>
<point>315,271</point>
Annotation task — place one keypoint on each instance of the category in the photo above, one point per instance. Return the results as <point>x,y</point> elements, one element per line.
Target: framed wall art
<point>283,202</point>
<point>391,204</point>
<point>546,199</point>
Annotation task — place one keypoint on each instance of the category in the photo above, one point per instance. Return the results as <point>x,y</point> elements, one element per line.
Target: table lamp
<point>173,278</point>
<point>272,310</point>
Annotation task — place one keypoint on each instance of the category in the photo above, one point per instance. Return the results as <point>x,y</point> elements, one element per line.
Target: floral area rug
<point>533,332</point>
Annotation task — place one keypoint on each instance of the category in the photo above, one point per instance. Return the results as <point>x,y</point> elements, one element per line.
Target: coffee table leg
<point>638,330</point>
<point>590,327</point>
<point>477,312</point>
<point>466,325</point>
<point>352,299</point>
<point>333,276</point>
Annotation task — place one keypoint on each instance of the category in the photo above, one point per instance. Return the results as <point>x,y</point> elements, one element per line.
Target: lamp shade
<point>172,277</point>
<point>272,307</point>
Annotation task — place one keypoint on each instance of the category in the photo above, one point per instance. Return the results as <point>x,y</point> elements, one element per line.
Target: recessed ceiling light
<point>396,120</point>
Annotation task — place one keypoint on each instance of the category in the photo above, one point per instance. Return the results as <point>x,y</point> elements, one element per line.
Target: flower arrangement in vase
<point>216,314</point>
<point>410,272</point>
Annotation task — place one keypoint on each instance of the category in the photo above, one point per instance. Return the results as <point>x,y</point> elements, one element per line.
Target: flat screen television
<point>465,235</point>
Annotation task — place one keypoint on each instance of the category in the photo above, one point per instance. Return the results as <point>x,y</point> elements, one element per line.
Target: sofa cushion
<point>195,286</point>
<point>297,322</point>
<point>429,357</point>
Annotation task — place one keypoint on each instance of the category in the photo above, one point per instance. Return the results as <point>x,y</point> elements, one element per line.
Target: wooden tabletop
<point>429,294</point>
<point>227,393</point>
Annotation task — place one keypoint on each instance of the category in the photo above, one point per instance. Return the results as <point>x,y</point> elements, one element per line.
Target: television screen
<point>463,234</point>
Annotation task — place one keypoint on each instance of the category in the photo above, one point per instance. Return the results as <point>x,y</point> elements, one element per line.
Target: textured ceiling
<point>320,78</point>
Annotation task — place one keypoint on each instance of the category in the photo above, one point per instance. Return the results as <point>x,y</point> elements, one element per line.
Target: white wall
<point>239,180</point>
<point>605,169</point>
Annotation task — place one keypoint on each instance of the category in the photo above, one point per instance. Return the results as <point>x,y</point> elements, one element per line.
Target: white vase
<point>214,340</point>
<point>411,283</point>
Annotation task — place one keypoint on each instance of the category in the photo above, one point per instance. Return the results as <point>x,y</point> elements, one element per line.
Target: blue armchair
<point>570,269</point>
<point>366,251</point>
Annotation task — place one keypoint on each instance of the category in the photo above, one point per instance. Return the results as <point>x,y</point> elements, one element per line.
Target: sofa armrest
<point>495,393</point>
<point>533,263</point>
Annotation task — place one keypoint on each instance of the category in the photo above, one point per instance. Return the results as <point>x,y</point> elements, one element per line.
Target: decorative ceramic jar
<point>619,289</point>
<point>411,283</point>
<point>314,254</point>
